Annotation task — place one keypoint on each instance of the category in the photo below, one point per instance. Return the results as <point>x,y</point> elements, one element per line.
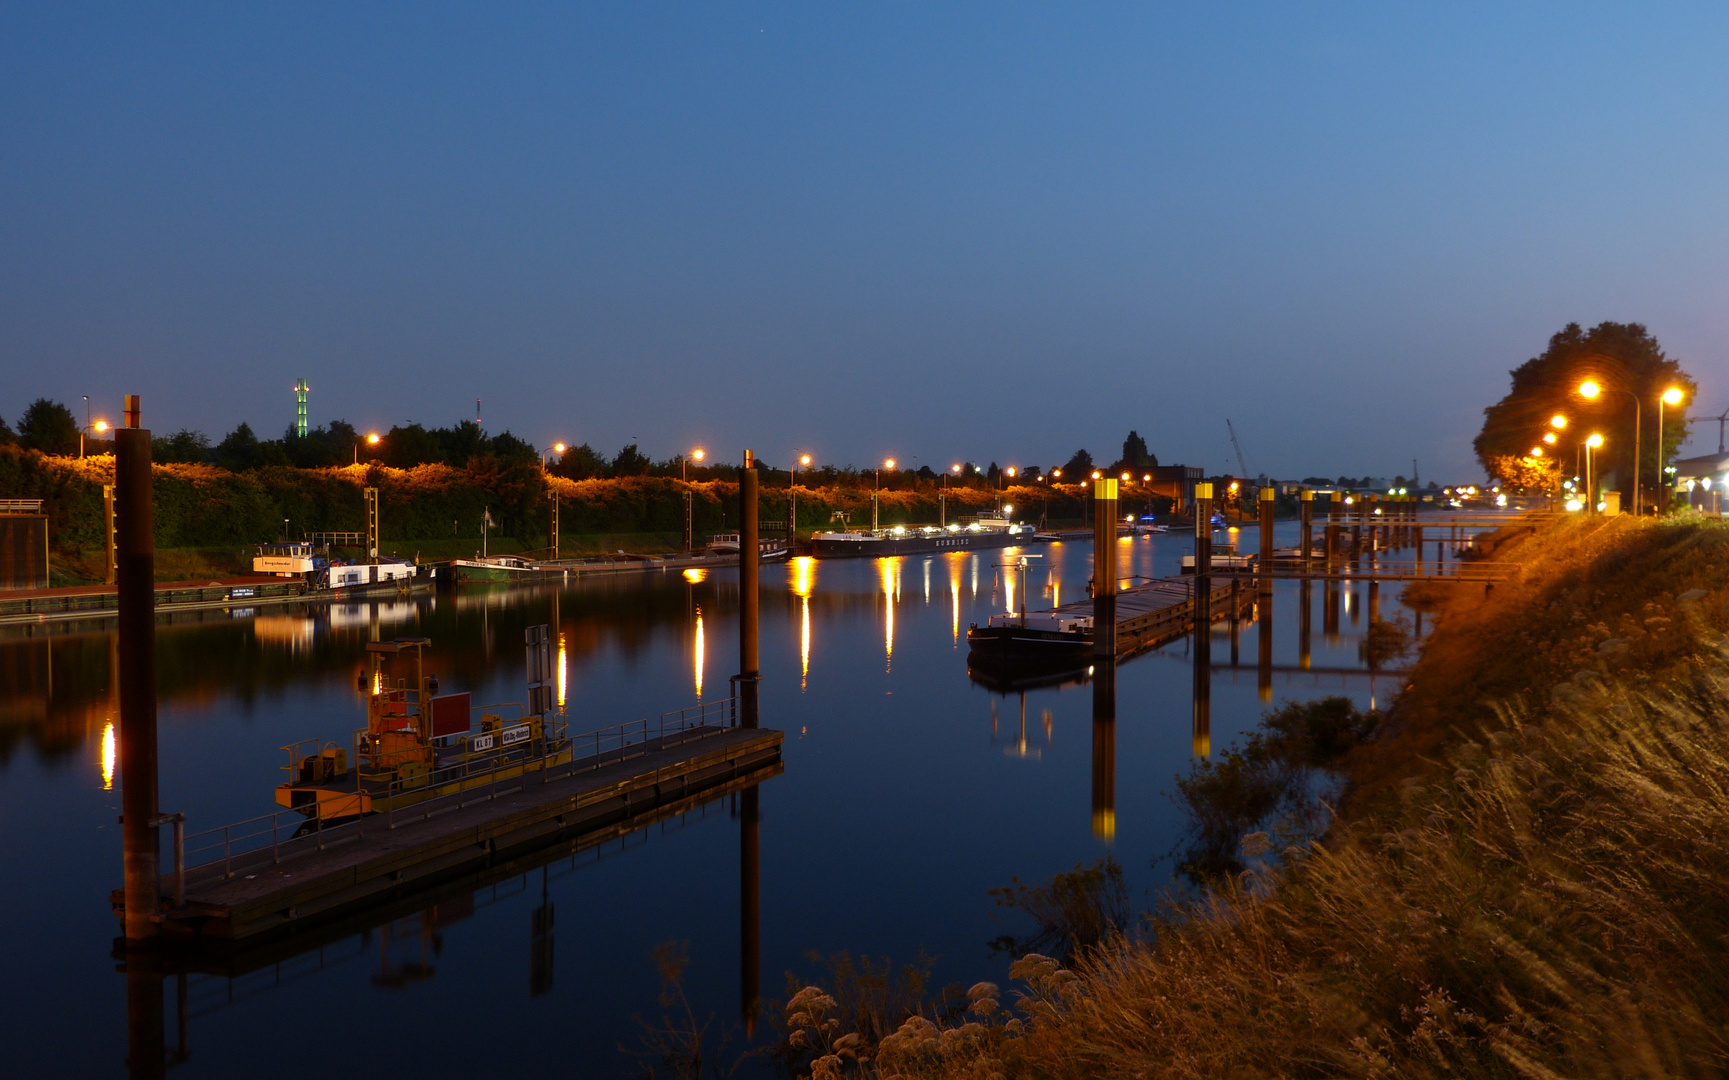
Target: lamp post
<point>888,463</point>
<point>1591,443</point>
<point>695,455</point>
<point>371,440</point>
<point>555,448</point>
<point>1671,396</point>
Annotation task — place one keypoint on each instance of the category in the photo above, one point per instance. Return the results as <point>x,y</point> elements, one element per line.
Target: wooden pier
<point>282,882</point>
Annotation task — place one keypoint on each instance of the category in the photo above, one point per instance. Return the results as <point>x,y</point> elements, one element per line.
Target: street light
<point>1590,389</point>
<point>371,440</point>
<point>889,464</point>
<point>1593,442</point>
<point>1671,396</point>
<point>695,455</point>
<point>1549,437</point>
<point>555,448</point>
<point>1557,421</point>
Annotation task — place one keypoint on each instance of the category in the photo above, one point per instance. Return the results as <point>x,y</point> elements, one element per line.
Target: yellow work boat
<point>419,745</point>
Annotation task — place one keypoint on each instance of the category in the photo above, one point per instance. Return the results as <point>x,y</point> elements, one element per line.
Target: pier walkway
<point>257,878</point>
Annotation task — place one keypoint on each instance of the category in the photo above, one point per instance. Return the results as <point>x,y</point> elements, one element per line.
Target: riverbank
<point>1527,876</point>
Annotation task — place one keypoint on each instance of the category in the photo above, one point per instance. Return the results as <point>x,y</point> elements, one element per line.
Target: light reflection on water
<point>848,855</point>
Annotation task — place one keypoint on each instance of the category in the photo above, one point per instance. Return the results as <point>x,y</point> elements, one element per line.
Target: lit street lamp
<point>1591,444</point>
<point>371,440</point>
<point>695,455</point>
<point>889,464</point>
<point>555,448</point>
<point>1671,396</point>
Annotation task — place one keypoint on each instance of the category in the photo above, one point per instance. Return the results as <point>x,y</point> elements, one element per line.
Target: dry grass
<point>1530,881</point>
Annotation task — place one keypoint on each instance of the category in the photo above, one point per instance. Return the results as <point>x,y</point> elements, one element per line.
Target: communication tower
<point>300,392</point>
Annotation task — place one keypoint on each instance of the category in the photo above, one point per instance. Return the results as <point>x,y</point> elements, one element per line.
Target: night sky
<point>938,232</point>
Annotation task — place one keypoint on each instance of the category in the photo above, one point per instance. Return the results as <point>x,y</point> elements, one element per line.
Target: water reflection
<point>108,756</point>
<point>697,652</point>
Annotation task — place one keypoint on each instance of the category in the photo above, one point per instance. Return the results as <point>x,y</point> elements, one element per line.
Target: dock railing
<point>269,839</point>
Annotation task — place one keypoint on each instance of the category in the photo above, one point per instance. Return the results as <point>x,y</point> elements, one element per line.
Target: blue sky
<point>994,232</point>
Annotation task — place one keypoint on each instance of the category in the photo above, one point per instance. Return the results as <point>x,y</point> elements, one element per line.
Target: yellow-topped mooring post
<point>1265,566</point>
<point>1305,528</point>
<point>749,554</point>
<point>1104,568</point>
<point>135,560</point>
<point>1202,609</point>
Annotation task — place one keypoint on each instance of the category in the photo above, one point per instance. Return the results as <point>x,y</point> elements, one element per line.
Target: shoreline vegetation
<point>208,518</point>
<point>1525,876</point>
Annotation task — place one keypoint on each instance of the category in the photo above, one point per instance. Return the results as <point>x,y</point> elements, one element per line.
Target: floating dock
<point>87,601</point>
<point>259,879</point>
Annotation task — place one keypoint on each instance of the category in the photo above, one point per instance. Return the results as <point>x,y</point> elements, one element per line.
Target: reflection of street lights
<point>1671,396</point>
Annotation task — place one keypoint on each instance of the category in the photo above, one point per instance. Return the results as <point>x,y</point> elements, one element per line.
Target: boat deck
<point>285,884</point>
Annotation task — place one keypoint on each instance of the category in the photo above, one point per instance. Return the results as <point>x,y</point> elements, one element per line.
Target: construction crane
<point>1238,447</point>
<point>1722,421</point>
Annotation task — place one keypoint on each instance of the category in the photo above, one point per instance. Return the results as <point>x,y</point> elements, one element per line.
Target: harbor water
<point>910,791</point>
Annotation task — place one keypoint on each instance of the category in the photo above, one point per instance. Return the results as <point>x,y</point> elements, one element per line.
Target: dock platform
<point>284,882</point>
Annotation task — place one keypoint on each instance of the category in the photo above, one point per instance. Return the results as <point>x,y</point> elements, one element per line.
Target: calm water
<point>909,792</point>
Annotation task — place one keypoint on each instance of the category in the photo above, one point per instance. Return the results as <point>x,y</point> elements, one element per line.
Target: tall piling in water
<point>1265,567</point>
<point>1104,570</point>
<point>1305,528</point>
<point>1335,511</point>
<point>749,556</point>
<point>136,572</point>
<point>1202,736</point>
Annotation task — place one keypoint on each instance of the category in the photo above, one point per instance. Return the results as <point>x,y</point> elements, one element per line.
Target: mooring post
<point>1305,614</point>
<point>688,522</point>
<point>136,573</point>
<point>749,555</point>
<point>942,510</point>
<point>1265,569</point>
<point>1335,511</point>
<point>1104,569</point>
<point>873,511</point>
<point>1202,610</point>
<point>1305,527</point>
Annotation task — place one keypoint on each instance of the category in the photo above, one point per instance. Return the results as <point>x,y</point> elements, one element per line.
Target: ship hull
<point>916,545</point>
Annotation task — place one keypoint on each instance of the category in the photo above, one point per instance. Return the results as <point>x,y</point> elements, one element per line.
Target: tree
<point>408,445</point>
<point>1079,467</point>
<point>50,427</point>
<point>184,447</point>
<point>630,462</point>
<point>1135,455</point>
<point>579,463</point>
<point>1621,357</point>
<point>7,436</point>
<point>239,450</point>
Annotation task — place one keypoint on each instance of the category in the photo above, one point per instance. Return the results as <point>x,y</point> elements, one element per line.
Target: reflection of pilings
<point>1374,602</point>
<point>1105,749</point>
<point>1330,611</point>
<point>749,909</point>
<point>1356,609</point>
<point>748,594</point>
<point>1202,738</point>
<point>146,1052</point>
<point>137,629</point>
<point>1264,658</point>
<point>1305,613</point>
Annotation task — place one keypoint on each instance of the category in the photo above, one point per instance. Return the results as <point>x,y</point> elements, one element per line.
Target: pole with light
<point>1590,389</point>
<point>1593,442</point>
<point>1671,396</point>
<point>555,448</point>
<point>695,455</point>
<point>371,440</point>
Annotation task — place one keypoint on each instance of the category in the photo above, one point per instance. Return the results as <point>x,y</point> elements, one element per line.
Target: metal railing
<point>269,839</point>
